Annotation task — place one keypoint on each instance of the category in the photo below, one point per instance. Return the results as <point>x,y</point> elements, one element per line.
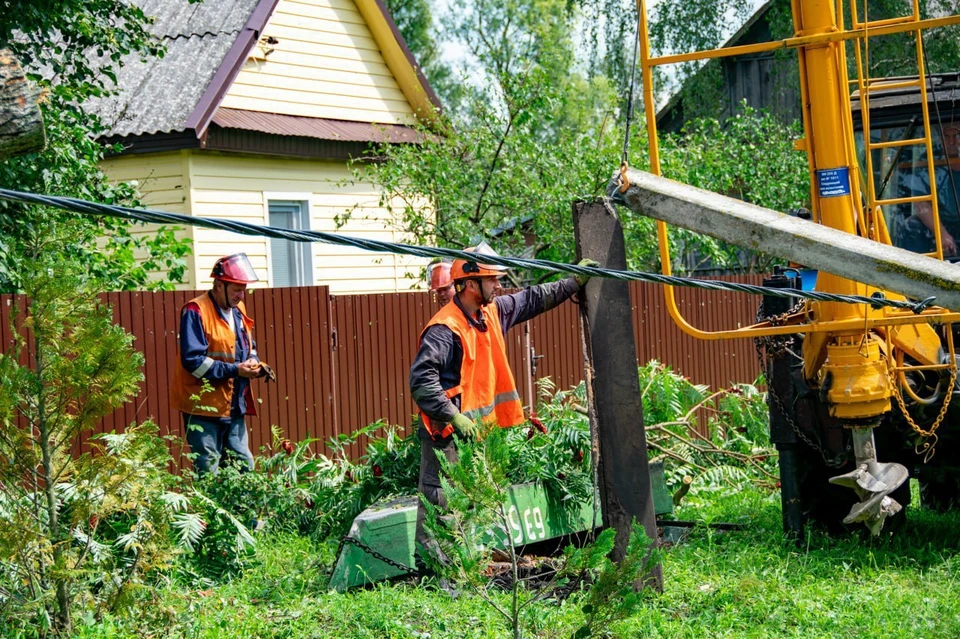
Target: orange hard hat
<point>234,268</point>
<point>463,269</point>
<point>440,275</point>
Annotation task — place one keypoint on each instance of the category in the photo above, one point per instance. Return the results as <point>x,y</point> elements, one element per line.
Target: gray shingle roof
<point>173,18</point>
<point>158,95</point>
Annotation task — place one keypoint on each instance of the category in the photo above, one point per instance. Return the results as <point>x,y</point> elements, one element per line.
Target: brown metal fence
<point>342,361</point>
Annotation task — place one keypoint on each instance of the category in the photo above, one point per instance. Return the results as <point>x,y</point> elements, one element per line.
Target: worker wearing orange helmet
<point>461,376</point>
<point>216,345</point>
<point>441,284</point>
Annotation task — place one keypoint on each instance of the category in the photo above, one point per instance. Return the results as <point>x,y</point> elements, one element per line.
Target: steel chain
<point>775,346</point>
<point>930,436</point>
<point>347,539</point>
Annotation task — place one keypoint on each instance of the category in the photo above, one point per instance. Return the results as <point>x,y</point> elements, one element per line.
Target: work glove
<point>582,279</point>
<point>464,426</point>
<point>267,371</point>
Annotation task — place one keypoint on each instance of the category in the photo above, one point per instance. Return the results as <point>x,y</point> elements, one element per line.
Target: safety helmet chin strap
<point>223,288</point>
<point>461,285</point>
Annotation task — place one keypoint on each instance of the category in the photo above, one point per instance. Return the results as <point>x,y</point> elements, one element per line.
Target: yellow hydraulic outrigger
<point>857,355</point>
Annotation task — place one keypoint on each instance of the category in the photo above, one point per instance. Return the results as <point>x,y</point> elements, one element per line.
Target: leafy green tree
<point>679,26</point>
<point>609,30</point>
<point>749,156</point>
<point>73,49</point>
<point>535,131</point>
<point>414,19</point>
<point>530,135</point>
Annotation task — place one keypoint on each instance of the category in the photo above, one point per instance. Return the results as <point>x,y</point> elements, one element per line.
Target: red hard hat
<point>463,269</point>
<point>235,268</point>
<point>440,276</point>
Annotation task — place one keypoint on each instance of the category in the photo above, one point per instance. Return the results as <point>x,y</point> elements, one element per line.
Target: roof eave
<point>228,70</point>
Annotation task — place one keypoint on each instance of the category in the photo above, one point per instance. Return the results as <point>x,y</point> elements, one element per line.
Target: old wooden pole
<point>21,125</point>
<point>624,474</point>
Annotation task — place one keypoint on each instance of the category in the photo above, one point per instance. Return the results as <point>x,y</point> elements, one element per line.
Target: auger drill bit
<point>873,482</point>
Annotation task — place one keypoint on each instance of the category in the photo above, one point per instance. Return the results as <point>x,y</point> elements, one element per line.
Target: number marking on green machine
<point>388,528</point>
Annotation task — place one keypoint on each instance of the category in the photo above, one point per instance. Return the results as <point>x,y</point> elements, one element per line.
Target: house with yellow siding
<point>253,115</point>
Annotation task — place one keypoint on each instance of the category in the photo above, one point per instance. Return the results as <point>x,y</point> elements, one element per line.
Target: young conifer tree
<point>75,529</point>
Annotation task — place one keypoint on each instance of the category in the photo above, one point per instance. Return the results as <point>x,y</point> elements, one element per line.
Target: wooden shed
<point>768,80</point>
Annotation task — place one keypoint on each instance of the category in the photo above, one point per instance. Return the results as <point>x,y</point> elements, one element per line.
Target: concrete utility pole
<point>624,473</point>
<point>21,125</point>
<point>808,243</point>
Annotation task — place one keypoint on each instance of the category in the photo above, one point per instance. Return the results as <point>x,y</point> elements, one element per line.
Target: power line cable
<point>77,205</point>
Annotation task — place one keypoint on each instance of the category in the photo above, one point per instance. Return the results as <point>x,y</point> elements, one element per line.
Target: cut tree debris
<point>21,124</point>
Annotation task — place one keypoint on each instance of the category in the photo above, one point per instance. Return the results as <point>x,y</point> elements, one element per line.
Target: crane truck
<point>861,397</point>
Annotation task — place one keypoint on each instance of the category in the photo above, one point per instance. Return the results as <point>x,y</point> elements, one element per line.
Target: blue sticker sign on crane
<point>833,182</point>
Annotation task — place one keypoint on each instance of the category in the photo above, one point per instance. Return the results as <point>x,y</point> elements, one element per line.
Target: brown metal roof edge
<point>281,124</point>
<point>230,67</point>
<point>257,143</point>
<point>428,89</point>
<point>153,142</point>
<point>233,140</point>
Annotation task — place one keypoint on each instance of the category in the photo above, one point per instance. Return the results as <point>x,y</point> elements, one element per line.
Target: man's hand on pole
<point>582,279</point>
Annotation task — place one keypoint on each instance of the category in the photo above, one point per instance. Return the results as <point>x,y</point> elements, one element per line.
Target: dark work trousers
<point>429,486</point>
<point>209,437</point>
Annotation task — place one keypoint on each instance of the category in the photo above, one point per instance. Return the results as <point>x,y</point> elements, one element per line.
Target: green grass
<point>751,583</point>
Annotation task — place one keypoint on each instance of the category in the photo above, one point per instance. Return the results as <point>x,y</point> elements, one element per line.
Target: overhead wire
<point>78,205</point>
<point>624,157</point>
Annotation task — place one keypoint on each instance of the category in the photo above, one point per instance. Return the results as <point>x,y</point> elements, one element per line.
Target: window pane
<point>290,261</point>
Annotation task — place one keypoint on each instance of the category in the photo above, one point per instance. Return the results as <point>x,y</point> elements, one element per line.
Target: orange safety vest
<point>221,346</point>
<point>487,389</point>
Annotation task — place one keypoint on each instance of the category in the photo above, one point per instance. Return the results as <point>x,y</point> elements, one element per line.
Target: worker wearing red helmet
<point>217,347</point>
<point>441,284</point>
<point>461,377</point>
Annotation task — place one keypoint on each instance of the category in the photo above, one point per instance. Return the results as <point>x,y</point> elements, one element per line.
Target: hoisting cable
<point>625,157</point>
<point>77,205</point>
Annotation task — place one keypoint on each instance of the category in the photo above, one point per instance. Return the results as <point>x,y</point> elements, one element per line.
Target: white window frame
<point>305,200</point>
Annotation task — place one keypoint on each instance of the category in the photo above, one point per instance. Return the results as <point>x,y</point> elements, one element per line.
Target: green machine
<point>380,544</point>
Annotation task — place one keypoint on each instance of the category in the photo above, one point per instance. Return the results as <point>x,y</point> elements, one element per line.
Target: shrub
<point>120,516</point>
<point>342,489</point>
<point>78,532</point>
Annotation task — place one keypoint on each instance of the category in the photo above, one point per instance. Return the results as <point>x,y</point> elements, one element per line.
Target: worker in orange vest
<point>216,345</point>
<point>441,284</point>
<point>461,375</point>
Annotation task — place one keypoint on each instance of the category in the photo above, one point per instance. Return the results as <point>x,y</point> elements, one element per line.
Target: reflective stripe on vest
<point>221,347</point>
<point>487,389</point>
<point>484,411</point>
